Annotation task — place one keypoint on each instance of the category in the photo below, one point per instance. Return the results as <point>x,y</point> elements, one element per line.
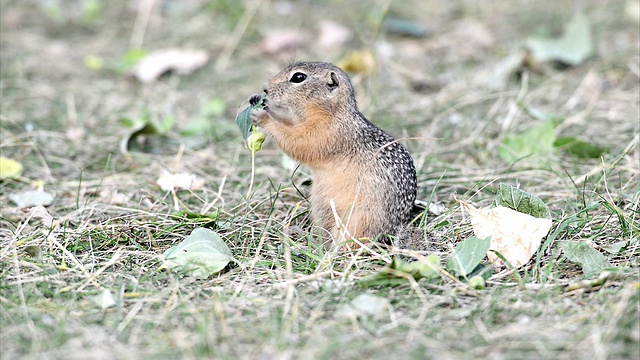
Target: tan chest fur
<point>353,194</point>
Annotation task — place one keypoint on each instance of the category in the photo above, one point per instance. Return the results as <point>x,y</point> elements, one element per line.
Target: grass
<point>59,119</point>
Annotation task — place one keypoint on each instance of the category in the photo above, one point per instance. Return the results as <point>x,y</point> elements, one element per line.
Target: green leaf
<point>213,108</point>
<point>129,60</point>
<point>10,169</point>
<point>209,121</point>
<point>404,27</point>
<point>615,248</point>
<point>201,254</point>
<point>91,10</point>
<point>536,143</point>
<point>591,260</point>
<point>417,269</point>
<point>244,118</point>
<point>521,201</point>
<point>467,255</point>
<point>145,124</point>
<point>195,217</point>
<point>573,47</point>
<point>579,148</point>
<point>477,282</point>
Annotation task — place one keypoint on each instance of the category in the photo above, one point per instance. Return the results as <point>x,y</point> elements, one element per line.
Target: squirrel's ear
<point>334,82</point>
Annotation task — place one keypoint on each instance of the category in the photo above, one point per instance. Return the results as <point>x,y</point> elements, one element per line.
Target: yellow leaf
<point>93,62</point>
<point>9,168</point>
<point>514,235</point>
<point>359,62</point>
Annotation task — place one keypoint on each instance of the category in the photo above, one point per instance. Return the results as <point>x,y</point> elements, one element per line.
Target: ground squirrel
<point>312,115</point>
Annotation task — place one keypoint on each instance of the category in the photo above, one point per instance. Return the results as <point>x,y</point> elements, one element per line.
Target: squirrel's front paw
<point>255,99</point>
<point>259,117</point>
<point>259,114</point>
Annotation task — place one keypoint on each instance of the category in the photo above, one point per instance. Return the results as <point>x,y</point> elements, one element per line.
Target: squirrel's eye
<point>298,77</point>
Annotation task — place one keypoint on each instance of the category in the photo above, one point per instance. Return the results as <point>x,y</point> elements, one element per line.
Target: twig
<point>140,25</point>
<point>237,34</point>
<point>306,278</point>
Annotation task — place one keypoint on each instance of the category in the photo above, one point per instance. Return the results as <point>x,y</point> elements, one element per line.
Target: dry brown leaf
<point>332,35</point>
<point>182,61</point>
<point>39,212</point>
<point>75,133</point>
<point>180,181</point>
<point>514,235</point>
<point>113,196</point>
<point>278,41</point>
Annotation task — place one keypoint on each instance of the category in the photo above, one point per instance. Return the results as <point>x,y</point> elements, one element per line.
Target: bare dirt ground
<point>64,87</point>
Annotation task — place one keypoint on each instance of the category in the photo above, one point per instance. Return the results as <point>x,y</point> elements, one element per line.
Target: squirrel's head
<point>320,84</point>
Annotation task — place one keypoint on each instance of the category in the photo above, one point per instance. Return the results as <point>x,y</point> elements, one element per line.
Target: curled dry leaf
<point>113,196</point>
<point>39,212</point>
<point>180,181</point>
<point>514,235</point>
<point>276,42</point>
<point>182,61</point>
<point>332,35</point>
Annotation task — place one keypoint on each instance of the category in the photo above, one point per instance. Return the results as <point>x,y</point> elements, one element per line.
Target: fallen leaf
<point>358,62</point>
<point>75,133</point>
<point>404,27</point>
<point>417,269</point>
<point>201,254</point>
<point>365,306</point>
<point>182,61</point>
<point>591,260</point>
<point>514,235</point>
<point>572,48</point>
<point>471,38</point>
<point>521,201</point>
<point>498,75</point>
<point>180,181</point>
<point>477,282</point>
<point>129,60</point>
<point>10,169</point>
<point>579,148</point>
<point>31,198</point>
<point>93,62</point>
<point>533,145</point>
<point>632,10</point>
<point>39,212</point>
<point>278,41</point>
<point>113,196</point>
<point>332,35</point>
<point>105,299</point>
<point>615,248</point>
<point>434,207</point>
<point>468,254</point>
<point>148,123</point>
